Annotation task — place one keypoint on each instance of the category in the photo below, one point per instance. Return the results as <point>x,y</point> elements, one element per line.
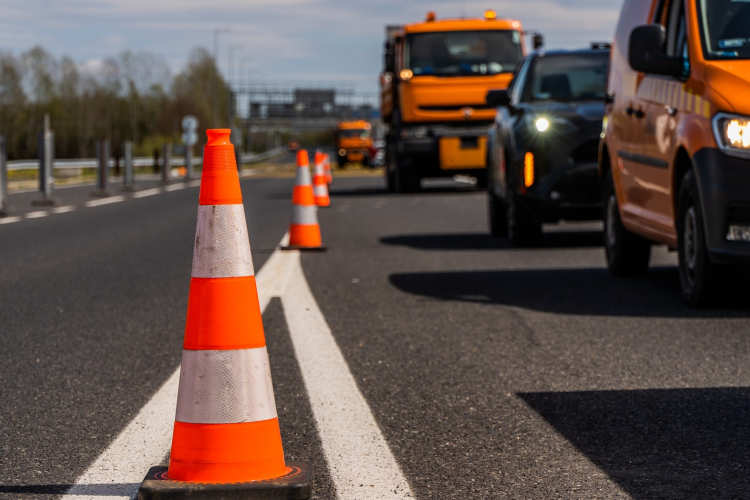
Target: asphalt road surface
<point>490,372</point>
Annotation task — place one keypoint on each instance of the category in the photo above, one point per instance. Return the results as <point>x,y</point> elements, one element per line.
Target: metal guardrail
<point>137,162</point>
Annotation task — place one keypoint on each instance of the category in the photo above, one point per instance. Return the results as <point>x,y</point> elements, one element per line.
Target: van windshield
<point>725,25</point>
<point>570,77</point>
<point>463,53</point>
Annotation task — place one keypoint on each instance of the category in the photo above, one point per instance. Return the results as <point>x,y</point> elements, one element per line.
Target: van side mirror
<point>497,98</point>
<point>647,52</point>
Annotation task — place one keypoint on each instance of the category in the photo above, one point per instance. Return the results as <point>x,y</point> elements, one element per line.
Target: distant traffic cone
<point>226,440</point>
<point>329,174</point>
<point>320,183</point>
<point>304,231</point>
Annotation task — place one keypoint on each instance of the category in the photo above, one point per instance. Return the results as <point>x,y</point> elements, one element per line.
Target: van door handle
<point>635,113</point>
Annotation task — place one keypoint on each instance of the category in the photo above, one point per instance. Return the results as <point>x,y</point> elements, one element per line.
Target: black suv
<point>543,147</point>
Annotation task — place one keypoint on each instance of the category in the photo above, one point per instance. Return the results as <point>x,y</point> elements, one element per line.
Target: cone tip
<point>302,159</point>
<point>219,137</point>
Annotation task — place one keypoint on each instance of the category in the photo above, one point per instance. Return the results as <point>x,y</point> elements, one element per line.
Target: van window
<point>725,28</point>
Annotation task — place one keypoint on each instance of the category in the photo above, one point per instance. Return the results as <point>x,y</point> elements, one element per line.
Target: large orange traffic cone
<point>329,174</point>
<point>320,183</point>
<point>304,230</point>
<point>226,437</point>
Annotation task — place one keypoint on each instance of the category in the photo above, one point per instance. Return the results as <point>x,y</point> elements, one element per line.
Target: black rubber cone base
<point>305,249</point>
<point>294,486</point>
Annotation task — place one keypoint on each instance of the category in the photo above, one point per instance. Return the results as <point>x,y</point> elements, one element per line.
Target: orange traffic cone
<point>320,183</point>
<point>329,174</point>
<point>304,231</point>
<point>226,437</point>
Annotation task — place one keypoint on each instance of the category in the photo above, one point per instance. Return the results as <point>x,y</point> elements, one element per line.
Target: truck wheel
<point>482,180</point>
<point>498,215</point>
<point>522,230</point>
<point>627,254</point>
<point>342,161</point>
<point>405,181</point>
<point>390,158</point>
<point>703,282</point>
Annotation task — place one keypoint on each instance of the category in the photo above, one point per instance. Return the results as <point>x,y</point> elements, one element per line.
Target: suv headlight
<point>551,124</point>
<point>414,133</point>
<point>732,134</point>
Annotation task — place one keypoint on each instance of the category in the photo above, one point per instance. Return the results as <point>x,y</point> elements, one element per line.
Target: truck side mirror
<point>538,41</point>
<point>497,98</point>
<point>647,53</point>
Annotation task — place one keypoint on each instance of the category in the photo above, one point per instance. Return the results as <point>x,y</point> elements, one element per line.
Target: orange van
<point>675,153</point>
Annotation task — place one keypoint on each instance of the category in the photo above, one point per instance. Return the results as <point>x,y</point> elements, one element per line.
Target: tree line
<point>130,97</point>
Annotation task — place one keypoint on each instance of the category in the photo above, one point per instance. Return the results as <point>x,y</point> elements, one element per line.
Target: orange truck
<point>433,94</point>
<point>675,154</point>
<point>353,142</point>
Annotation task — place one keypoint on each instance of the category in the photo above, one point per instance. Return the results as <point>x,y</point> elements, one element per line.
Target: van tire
<point>627,254</point>
<point>703,283</point>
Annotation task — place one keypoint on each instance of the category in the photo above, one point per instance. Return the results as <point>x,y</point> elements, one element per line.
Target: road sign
<point>190,138</point>
<point>190,123</point>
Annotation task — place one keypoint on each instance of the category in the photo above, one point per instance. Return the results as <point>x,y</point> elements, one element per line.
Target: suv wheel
<point>627,254</point>
<point>522,230</point>
<point>703,282</point>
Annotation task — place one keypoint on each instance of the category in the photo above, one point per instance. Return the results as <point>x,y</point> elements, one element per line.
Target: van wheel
<point>498,215</point>
<point>522,230</point>
<point>703,282</point>
<point>627,254</point>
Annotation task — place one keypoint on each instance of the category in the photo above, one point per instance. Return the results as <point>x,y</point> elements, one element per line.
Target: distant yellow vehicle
<point>353,142</point>
<point>433,94</point>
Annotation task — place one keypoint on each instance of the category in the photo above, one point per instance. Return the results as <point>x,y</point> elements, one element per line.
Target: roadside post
<point>167,166</point>
<point>189,139</point>
<point>102,169</point>
<point>46,165</point>
<point>3,176</point>
<point>237,142</point>
<point>128,179</point>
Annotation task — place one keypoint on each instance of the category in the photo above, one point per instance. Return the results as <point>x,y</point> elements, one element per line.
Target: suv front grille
<point>588,152</point>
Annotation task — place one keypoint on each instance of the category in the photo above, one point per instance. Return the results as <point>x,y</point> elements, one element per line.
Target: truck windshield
<point>725,25</point>
<point>573,77</point>
<point>354,134</point>
<point>463,53</point>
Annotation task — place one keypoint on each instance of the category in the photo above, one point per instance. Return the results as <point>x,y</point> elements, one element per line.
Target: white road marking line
<point>193,184</point>
<point>175,187</point>
<point>361,463</point>
<point>63,210</point>
<point>36,215</point>
<point>146,192</point>
<point>9,220</point>
<point>105,201</point>
<point>119,470</point>
<point>355,449</point>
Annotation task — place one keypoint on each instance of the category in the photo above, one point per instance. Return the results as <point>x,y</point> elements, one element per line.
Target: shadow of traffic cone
<point>226,441</point>
<point>320,183</point>
<point>304,230</point>
<point>329,174</point>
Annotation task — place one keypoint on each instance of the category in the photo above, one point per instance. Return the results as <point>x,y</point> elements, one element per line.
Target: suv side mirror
<point>497,98</point>
<point>647,53</point>
<point>538,41</point>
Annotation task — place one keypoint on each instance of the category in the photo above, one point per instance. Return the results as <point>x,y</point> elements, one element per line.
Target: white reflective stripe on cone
<point>319,169</point>
<point>225,387</point>
<point>222,247</point>
<point>320,190</point>
<point>304,214</point>
<point>303,176</point>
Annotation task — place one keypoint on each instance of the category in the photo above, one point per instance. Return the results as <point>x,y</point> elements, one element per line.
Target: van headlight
<point>732,134</point>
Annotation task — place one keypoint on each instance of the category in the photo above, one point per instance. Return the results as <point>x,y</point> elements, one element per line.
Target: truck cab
<point>433,87</point>
<point>353,142</point>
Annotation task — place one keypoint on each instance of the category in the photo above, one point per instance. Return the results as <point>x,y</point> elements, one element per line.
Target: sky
<point>281,40</point>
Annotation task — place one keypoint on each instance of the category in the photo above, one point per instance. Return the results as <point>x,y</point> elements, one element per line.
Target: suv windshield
<point>574,77</point>
<point>726,28</point>
<point>463,53</point>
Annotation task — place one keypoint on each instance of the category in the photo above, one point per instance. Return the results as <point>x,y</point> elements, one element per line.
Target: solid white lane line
<point>193,184</point>
<point>63,210</point>
<point>37,214</point>
<point>9,220</point>
<point>175,187</point>
<point>145,442</point>
<point>146,192</point>
<point>361,463</point>
<point>105,201</point>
